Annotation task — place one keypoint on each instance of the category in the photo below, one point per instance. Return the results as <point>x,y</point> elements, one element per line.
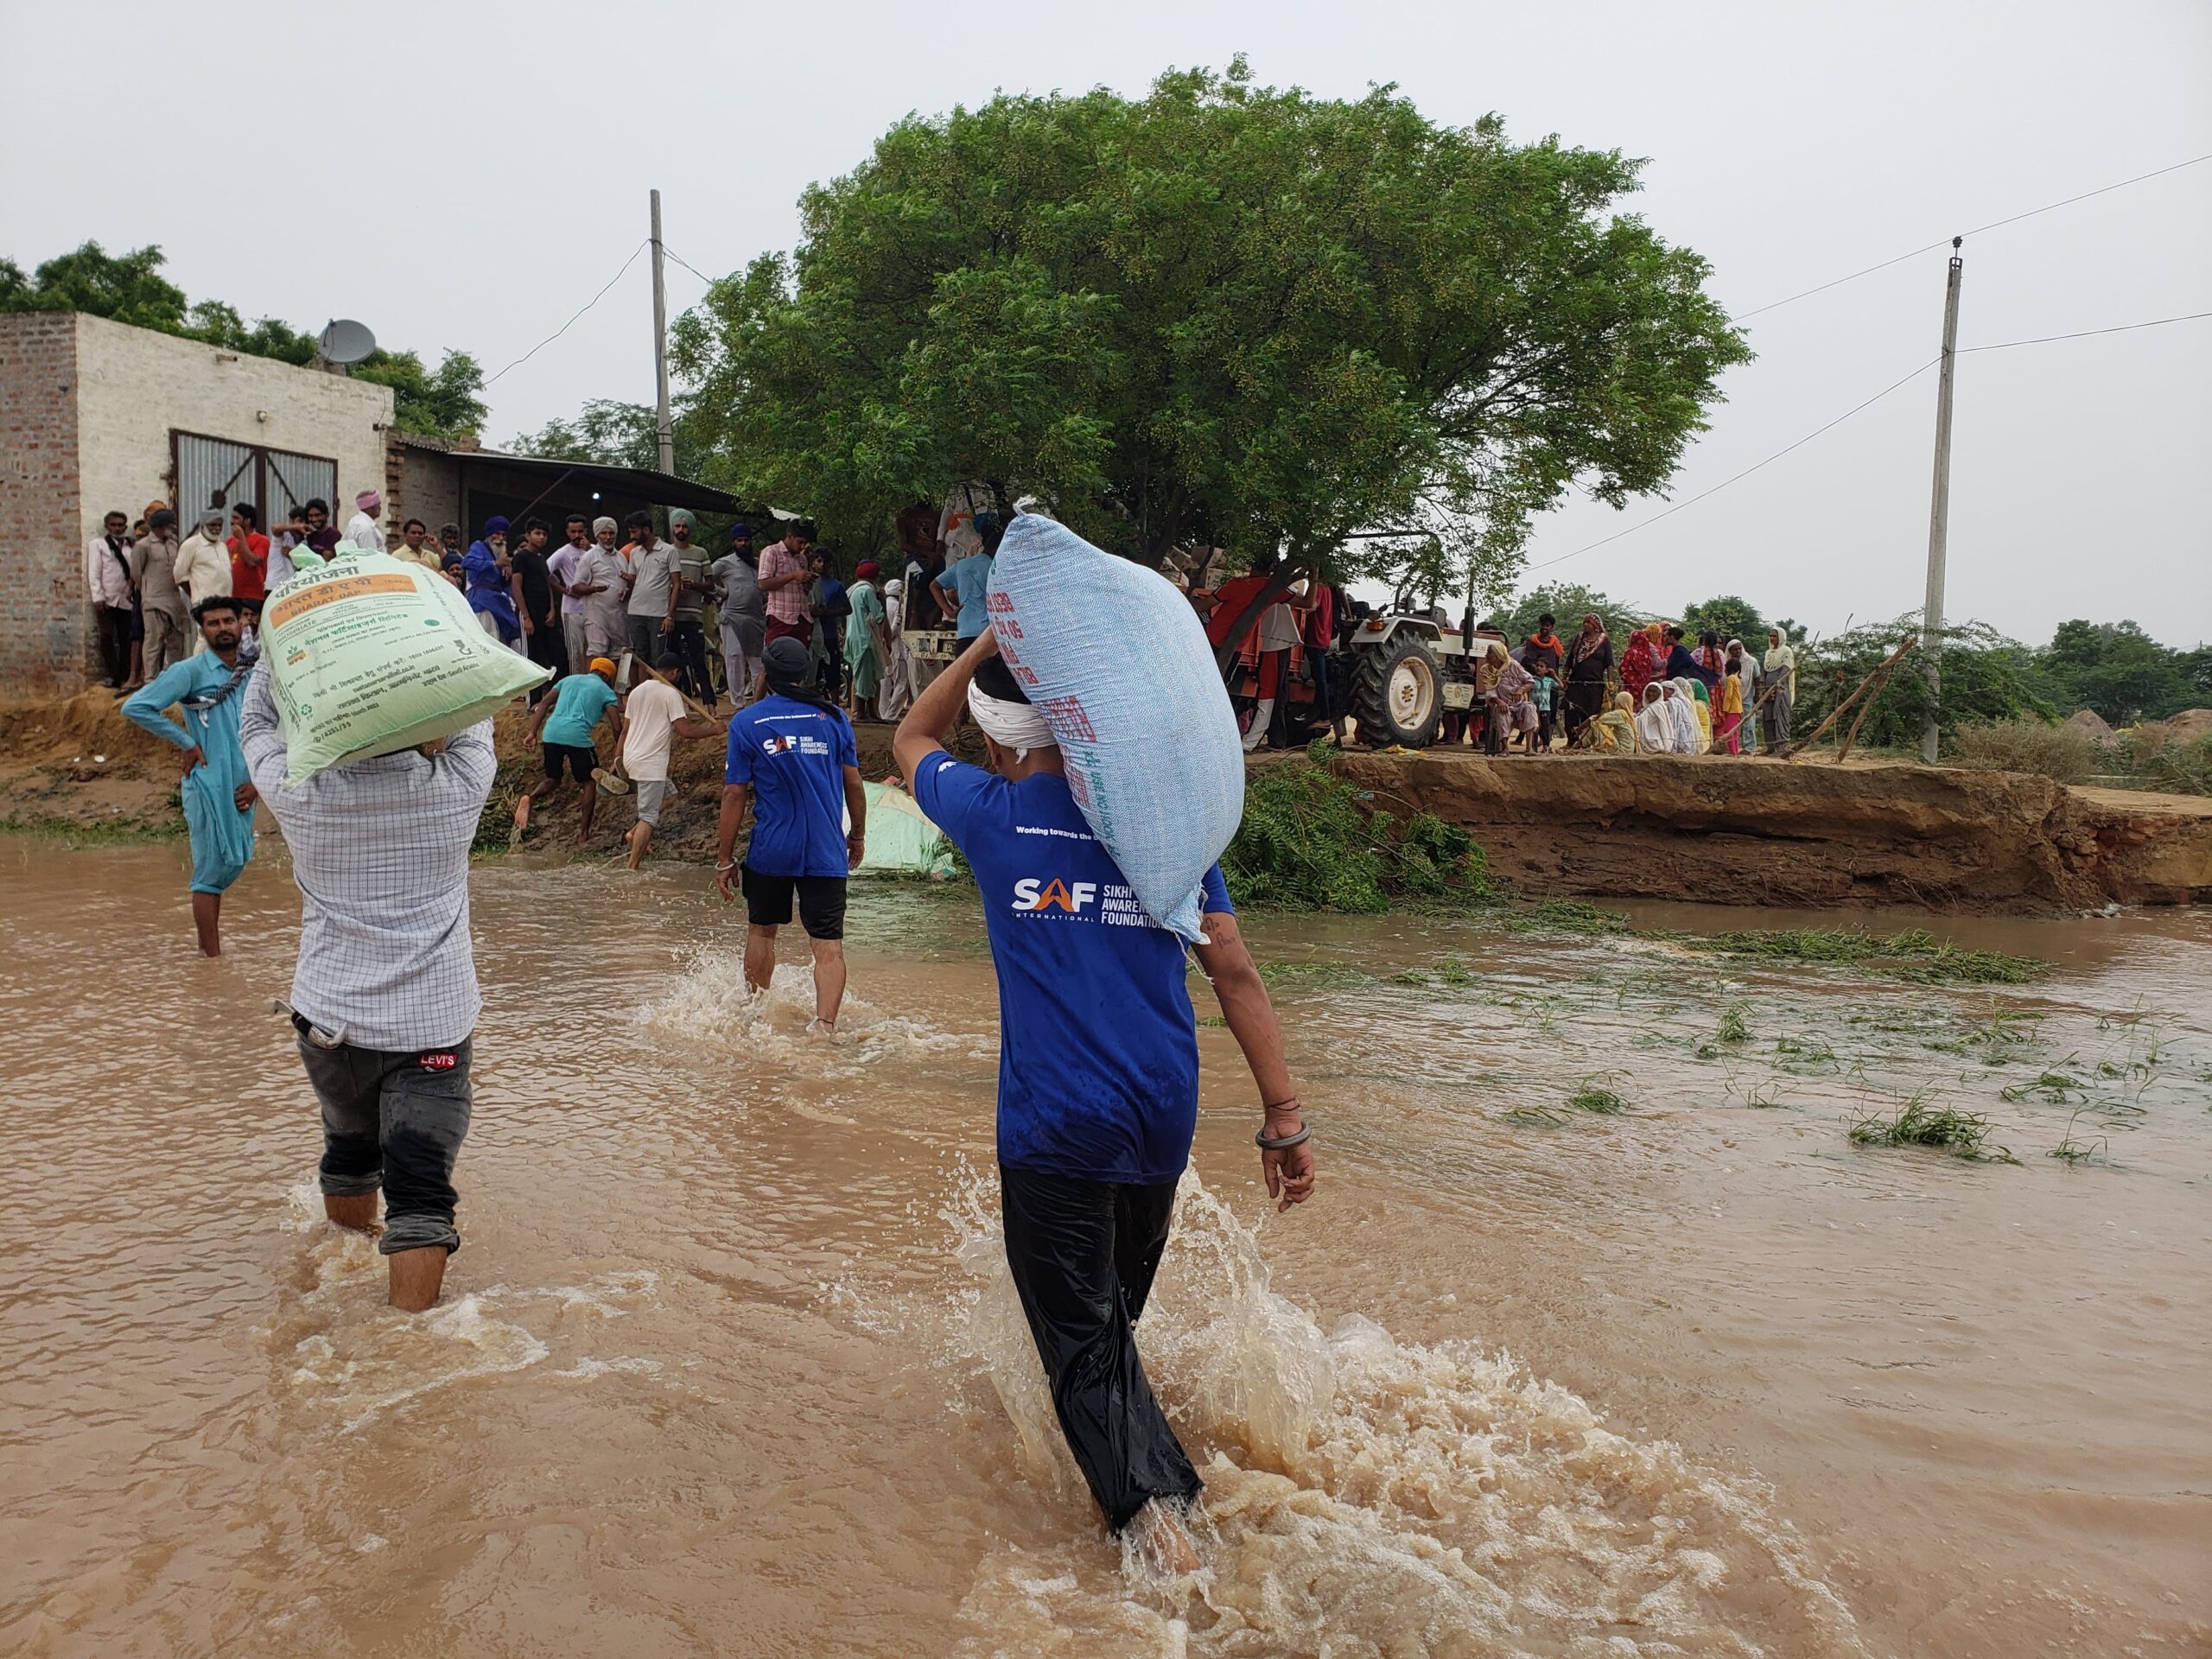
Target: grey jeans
<point>394,1120</point>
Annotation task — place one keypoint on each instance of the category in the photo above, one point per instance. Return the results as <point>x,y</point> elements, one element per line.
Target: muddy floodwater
<point>730,1364</point>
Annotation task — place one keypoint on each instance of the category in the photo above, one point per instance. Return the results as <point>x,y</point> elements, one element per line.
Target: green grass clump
<point>1310,840</point>
<point>1536,1115</point>
<point>119,831</point>
<point>1568,916</point>
<point>2072,1153</point>
<point>1916,1123</point>
<point>1319,975</point>
<point>1734,1027</point>
<point>1591,1098</point>
<point>1915,955</point>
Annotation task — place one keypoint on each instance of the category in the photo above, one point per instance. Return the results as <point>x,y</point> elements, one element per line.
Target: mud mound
<point>89,723</point>
<point>2091,724</point>
<point>1805,834</point>
<point>2184,728</point>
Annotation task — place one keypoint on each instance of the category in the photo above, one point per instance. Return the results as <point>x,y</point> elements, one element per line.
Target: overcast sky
<point>466,175</point>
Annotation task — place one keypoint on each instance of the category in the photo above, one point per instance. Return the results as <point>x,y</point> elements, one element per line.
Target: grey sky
<point>466,175</point>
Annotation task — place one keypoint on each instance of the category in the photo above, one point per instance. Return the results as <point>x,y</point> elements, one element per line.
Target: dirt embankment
<point>1803,833</point>
<point>1806,833</point>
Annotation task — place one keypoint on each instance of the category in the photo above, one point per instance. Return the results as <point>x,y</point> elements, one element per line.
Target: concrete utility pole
<point>1939,508</point>
<point>665,431</point>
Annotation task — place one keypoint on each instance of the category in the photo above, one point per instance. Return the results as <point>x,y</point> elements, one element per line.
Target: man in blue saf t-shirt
<point>1098,1078</point>
<point>792,754</point>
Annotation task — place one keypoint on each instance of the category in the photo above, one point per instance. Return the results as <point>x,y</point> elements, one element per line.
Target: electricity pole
<point>665,432</point>
<point>1939,510</point>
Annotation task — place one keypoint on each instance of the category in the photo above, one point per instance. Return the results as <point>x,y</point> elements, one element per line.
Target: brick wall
<point>45,620</point>
<point>137,386</point>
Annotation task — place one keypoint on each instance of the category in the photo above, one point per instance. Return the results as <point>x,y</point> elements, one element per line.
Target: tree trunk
<point>1273,589</point>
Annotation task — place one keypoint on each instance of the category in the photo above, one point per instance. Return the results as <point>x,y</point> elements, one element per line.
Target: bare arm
<point>734,797</point>
<point>1251,1016</point>
<point>856,805</point>
<point>922,732</point>
<point>946,604</point>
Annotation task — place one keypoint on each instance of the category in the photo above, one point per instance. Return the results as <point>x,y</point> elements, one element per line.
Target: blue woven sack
<point>1114,658</point>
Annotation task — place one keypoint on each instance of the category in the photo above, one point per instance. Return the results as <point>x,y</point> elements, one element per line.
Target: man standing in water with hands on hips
<point>1098,1080</point>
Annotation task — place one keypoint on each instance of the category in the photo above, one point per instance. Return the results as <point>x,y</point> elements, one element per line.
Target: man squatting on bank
<point>1098,1079</point>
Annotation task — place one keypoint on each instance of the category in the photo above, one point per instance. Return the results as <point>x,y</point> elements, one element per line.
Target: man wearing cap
<point>488,574</point>
<point>361,529</point>
<point>744,615</point>
<point>203,562</point>
<point>162,601</point>
<point>216,795</point>
<point>793,756</point>
<point>690,584</point>
<point>565,719</point>
<point>605,589</point>
<point>1098,1078</point>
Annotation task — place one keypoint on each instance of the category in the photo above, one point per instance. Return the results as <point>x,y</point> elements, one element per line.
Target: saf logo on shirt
<point>1031,894</point>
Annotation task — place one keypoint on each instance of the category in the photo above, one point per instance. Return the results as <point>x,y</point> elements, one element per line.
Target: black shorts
<point>580,760</point>
<point>820,901</point>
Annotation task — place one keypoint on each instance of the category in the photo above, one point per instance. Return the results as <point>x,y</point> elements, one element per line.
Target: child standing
<point>1545,694</point>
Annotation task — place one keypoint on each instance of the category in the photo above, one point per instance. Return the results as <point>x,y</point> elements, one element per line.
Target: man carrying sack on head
<point>1098,1079</point>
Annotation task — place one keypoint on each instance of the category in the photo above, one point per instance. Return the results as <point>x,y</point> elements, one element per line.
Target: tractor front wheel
<point>1397,693</point>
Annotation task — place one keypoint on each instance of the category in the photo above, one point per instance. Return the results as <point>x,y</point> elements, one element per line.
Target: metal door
<point>213,472</point>
<point>294,481</point>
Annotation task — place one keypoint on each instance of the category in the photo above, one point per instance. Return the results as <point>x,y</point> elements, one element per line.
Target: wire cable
<point>1747,471</point>
<point>2084,334</point>
<point>1995,224</point>
<point>571,322</point>
<point>687,264</point>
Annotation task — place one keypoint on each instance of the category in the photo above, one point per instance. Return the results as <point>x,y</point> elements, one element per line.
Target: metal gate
<point>221,473</point>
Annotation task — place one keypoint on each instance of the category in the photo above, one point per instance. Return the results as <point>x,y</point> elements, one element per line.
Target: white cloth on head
<point>1654,726</point>
<point>1010,725</point>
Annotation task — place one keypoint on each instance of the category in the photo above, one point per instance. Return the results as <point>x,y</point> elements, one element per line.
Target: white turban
<point>1010,725</point>
<point>598,525</point>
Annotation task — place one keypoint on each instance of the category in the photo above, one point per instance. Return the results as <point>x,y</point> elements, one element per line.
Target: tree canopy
<point>1221,314</point>
<point>447,401</point>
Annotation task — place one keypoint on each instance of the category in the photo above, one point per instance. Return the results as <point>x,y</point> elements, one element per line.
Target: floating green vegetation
<point>1803,1051</point>
<point>1915,955</point>
<point>1567,916</point>
<point>1735,1027</point>
<point>2059,1087</point>
<point>1452,971</point>
<point>1317,976</point>
<point>1412,977</point>
<point>1310,840</point>
<point>1590,1097</point>
<point>2071,1152</point>
<point>123,829</point>
<point>1916,1123</point>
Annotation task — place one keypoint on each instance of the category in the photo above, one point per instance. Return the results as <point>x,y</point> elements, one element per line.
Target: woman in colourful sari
<point>1640,661</point>
<point>1698,712</point>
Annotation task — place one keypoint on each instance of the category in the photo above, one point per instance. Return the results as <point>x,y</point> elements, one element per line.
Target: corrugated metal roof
<point>662,489</point>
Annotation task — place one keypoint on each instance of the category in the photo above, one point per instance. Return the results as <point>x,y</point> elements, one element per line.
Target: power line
<point>687,264</point>
<point>2084,334</point>
<point>1747,471</point>
<point>571,322</point>
<point>1996,224</point>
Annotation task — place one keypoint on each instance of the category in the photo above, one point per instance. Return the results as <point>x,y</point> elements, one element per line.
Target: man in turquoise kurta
<point>864,639</point>
<point>218,794</point>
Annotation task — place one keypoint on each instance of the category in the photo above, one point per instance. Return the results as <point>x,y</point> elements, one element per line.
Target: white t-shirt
<point>649,721</point>
<point>362,531</point>
<point>1278,628</point>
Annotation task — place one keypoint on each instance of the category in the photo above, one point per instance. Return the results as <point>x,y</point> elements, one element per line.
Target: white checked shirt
<point>380,852</point>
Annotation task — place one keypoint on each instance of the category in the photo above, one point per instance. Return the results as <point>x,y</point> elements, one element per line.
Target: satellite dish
<point>343,340</point>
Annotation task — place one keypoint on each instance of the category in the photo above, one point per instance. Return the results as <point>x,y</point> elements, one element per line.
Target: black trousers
<point>688,640</point>
<point>1084,1254</point>
<point>113,623</point>
<point>548,648</point>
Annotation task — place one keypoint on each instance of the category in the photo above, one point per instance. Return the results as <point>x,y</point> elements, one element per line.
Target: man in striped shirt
<point>385,997</point>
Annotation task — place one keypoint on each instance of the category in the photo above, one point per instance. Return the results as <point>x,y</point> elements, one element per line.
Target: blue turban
<point>736,530</point>
<point>494,524</point>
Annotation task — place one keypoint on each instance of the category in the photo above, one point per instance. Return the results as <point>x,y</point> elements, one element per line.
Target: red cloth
<point>1639,665</point>
<point>784,628</point>
<point>249,577</point>
<point>1230,598</point>
<point>1321,617</point>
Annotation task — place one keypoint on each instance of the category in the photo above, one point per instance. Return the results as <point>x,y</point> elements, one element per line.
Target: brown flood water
<point>730,1364</point>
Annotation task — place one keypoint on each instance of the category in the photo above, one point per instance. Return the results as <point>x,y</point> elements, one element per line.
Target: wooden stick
<point>1881,671</point>
<point>1880,678</point>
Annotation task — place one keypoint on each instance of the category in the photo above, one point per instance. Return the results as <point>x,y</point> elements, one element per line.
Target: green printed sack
<point>370,656</point>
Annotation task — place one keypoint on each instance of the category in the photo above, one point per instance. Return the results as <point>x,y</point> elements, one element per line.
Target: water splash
<point>1366,1496</point>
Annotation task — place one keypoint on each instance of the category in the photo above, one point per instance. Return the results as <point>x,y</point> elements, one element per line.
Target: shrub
<point>1311,842</point>
<point>2179,768</point>
<point>2025,743</point>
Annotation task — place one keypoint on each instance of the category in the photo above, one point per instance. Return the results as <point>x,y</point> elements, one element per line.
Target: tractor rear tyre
<point>1397,693</point>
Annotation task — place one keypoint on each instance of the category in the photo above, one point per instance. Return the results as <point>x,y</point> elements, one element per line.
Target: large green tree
<point>1221,314</point>
<point>447,401</point>
<point>2120,671</point>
